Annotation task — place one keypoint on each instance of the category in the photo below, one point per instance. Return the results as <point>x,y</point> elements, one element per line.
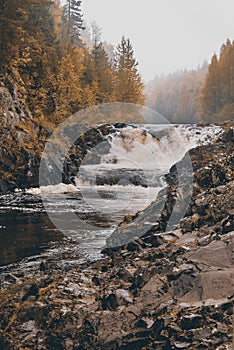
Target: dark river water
<point>26,231</point>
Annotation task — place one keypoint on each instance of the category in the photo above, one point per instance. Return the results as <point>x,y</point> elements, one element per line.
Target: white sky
<point>166,34</point>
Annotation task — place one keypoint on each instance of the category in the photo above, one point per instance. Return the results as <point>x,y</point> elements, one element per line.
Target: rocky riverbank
<point>171,290</point>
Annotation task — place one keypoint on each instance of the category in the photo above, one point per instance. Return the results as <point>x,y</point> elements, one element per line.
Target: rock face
<point>165,290</point>
<point>21,138</point>
<point>88,148</point>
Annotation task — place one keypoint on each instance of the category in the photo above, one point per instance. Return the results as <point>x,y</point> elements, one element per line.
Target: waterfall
<point>136,156</point>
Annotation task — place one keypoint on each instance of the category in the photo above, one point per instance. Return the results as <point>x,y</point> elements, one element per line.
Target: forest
<point>63,66</point>
<point>205,95</point>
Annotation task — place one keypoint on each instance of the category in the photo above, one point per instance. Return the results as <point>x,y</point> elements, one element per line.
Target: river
<point>129,179</point>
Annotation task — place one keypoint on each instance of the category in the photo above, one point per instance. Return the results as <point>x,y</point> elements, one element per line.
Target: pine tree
<point>128,83</point>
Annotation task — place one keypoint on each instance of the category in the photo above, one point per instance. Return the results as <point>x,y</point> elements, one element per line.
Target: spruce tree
<point>102,73</point>
<point>128,84</point>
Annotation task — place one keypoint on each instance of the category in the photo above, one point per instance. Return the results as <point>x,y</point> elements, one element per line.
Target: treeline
<point>198,96</point>
<point>42,46</point>
<point>217,96</point>
<point>176,96</point>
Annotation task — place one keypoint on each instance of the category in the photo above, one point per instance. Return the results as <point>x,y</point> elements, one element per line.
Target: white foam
<point>133,148</point>
<point>56,189</point>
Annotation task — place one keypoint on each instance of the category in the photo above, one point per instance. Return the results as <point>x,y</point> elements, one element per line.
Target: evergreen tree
<point>13,16</point>
<point>73,21</point>
<point>128,83</point>
<point>69,85</point>
<point>211,103</point>
<point>226,64</point>
<point>37,61</point>
<point>102,74</point>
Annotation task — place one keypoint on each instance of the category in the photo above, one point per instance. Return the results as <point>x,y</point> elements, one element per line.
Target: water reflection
<point>23,235</point>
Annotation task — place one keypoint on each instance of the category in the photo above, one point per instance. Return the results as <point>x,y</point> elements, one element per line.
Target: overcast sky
<point>166,34</point>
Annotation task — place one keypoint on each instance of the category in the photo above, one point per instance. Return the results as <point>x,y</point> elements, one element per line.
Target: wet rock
<point>228,136</point>
<point>191,322</point>
<point>44,267</point>
<point>126,275</point>
<point>32,294</point>
<point>133,247</point>
<point>145,322</point>
<point>110,302</point>
<point>228,224</point>
<point>153,240</point>
<point>96,280</point>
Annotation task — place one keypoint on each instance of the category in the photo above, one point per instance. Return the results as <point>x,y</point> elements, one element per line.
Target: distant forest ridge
<point>205,95</point>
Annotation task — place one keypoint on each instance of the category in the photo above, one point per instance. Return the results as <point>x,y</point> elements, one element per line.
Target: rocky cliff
<point>165,290</point>
<point>22,137</point>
